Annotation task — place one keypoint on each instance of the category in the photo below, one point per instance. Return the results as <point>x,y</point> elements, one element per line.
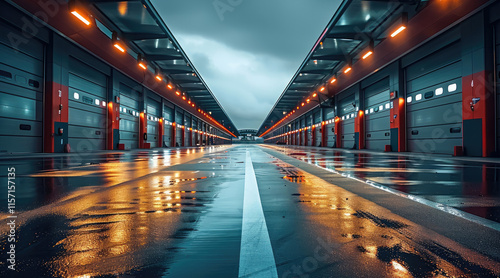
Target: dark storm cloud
<point>247,50</point>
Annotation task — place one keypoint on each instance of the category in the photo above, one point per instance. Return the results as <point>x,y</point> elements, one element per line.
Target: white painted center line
<point>256,253</point>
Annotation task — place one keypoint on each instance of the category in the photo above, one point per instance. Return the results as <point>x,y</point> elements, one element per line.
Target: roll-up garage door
<point>87,107</point>
<point>153,110</point>
<point>377,114</point>
<point>179,119</point>
<point>434,102</point>
<point>195,127</point>
<point>330,127</point>
<point>169,118</point>
<point>129,117</point>
<point>317,130</point>
<point>21,98</point>
<point>347,113</point>
<point>187,125</point>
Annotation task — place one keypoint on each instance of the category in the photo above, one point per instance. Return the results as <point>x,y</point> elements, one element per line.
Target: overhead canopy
<point>355,27</point>
<point>139,25</point>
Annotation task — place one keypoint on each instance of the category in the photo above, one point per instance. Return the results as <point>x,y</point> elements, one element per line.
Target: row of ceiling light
<point>369,52</point>
<point>77,9</point>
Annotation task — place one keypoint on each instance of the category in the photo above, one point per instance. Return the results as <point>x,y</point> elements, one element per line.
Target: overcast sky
<point>247,51</point>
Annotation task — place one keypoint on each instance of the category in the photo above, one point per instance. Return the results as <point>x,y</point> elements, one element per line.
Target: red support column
<point>190,136</point>
<point>306,136</point>
<point>113,124</point>
<point>174,133</point>
<point>161,128</point>
<point>359,130</point>
<point>183,136</point>
<point>56,118</point>
<point>313,130</point>
<point>324,132</point>
<point>398,125</point>
<point>142,130</point>
<point>338,133</point>
<point>478,109</point>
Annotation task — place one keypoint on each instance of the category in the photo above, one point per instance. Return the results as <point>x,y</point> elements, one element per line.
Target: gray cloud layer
<point>247,50</point>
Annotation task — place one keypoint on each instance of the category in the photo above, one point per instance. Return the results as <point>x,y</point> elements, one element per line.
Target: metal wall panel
<point>87,107</point>
<point>21,87</point>
<point>434,102</point>
<point>153,109</point>
<point>377,113</point>
<point>129,116</point>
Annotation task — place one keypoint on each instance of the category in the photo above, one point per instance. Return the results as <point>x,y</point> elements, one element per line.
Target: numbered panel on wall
<point>21,87</point>
<point>87,107</point>
<point>377,115</point>
<point>434,102</point>
<point>130,100</point>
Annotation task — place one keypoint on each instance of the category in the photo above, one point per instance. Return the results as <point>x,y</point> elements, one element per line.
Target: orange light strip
<point>368,54</point>
<point>399,30</point>
<point>81,17</point>
<point>119,47</point>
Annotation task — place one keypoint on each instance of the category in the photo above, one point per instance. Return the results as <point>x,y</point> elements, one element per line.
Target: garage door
<point>377,115</point>
<point>179,119</point>
<point>87,107</point>
<point>434,102</point>
<point>21,85</point>
<point>154,114</point>
<point>309,130</point>
<point>347,113</point>
<point>169,118</point>
<point>330,127</point>
<point>129,117</point>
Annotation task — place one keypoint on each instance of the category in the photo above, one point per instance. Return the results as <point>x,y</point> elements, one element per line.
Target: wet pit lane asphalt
<point>469,186</point>
<point>191,213</point>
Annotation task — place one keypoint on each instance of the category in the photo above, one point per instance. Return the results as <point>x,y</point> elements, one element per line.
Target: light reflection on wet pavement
<point>470,186</point>
<point>177,213</point>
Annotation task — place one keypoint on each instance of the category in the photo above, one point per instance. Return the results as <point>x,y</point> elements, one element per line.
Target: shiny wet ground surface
<point>469,186</point>
<point>179,213</point>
